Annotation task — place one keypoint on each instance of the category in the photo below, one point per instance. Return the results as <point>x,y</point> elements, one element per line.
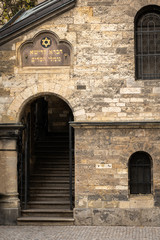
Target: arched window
<point>140,173</point>
<point>147,43</point>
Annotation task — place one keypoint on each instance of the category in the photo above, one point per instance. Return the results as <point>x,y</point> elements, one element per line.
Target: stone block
<point>79,112</point>
<point>8,216</point>
<point>130,90</point>
<point>121,50</point>
<point>111,109</point>
<point>156,90</point>
<point>117,217</point>
<point>141,202</point>
<point>83,217</point>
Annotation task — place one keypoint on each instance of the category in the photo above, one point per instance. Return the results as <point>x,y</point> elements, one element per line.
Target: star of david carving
<point>46,42</point>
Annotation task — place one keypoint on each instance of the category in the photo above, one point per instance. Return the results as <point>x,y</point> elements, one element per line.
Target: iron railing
<point>23,145</point>
<point>71,153</point>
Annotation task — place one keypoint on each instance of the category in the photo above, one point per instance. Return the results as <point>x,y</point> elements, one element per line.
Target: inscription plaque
<point>45,50</point>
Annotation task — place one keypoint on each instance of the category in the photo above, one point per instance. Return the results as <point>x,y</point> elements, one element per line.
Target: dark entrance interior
<point>46,163</point>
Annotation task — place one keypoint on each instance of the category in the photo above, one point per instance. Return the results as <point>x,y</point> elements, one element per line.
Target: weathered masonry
<point>80,114</point>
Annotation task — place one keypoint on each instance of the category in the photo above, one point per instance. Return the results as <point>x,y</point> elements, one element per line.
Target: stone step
<point>50,178</point>
<point>56,164</point>
<point>54,137</point>
<point>42,153</point>
<point>50,175</point>
<point>47,213</point>
<point>49,221</point>
<point>49,183</point>
<point>52,147</point>
<point>52,157</point>
<point>52,160</point>
<point>58,157</point>
<point>39,191</point>
<point>58,145</point>
<point>57,169</point>
<point>53,171</point>
<point>49,204</point>
<point>52,150</point>
<point>53,163</point>
<point>54,190</point>
<point>49,197</point>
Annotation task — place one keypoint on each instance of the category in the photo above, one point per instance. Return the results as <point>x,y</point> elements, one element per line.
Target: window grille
<point>140,173</point>
<point>147,45</point>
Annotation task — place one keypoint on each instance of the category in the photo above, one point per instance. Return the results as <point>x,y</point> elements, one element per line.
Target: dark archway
<point>46,158</point>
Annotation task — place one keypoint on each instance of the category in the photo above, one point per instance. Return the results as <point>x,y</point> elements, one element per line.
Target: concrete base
<point>8,216</point>
<point>117,217</point>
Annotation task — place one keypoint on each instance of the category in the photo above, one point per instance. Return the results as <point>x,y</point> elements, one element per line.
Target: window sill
<point>141,201</point>
<point>140,196</point>
<point>140,79</point>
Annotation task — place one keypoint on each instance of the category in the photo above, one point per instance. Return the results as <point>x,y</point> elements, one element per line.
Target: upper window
<point>140,173</point>
<point>147,43</point>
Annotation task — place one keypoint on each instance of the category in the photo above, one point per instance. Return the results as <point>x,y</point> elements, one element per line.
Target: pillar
<point>9,201</point>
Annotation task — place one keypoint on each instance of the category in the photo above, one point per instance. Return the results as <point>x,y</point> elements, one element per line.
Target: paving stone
<point>79,233</point>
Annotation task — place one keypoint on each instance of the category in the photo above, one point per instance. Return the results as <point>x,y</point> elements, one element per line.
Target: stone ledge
<point>44,70</point>
<point>114,125</point>
<point>10,130</point>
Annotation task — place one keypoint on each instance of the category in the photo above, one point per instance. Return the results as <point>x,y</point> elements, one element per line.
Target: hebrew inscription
<point>45,50</point>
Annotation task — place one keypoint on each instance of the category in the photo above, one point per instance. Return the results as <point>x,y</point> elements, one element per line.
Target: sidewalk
<point>78,233</point>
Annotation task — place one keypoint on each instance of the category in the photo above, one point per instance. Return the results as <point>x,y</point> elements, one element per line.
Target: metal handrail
<point>70,163</point>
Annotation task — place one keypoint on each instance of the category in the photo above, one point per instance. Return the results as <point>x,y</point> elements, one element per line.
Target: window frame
<point>142,12</point>
<point>151,174</point>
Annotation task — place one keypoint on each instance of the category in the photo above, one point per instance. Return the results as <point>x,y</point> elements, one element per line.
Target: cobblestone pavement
<point>78,233</point>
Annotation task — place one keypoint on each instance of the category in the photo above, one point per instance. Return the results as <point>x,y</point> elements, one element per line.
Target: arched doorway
<point>46,162</point>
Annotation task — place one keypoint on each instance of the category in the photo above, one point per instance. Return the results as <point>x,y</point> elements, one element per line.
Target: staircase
<point>49,202</point>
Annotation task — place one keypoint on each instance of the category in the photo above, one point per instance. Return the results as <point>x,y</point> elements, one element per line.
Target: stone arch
<point>35,91</point>
<point>143,152</point>
<point>140,5</point>
<point>145,9</point>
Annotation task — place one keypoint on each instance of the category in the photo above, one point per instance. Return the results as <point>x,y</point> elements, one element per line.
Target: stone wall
<point>100,85</point>
<point>58,114</point>
<point>101,169</point>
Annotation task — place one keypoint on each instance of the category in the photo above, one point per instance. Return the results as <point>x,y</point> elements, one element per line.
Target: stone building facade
<point>115,114</point>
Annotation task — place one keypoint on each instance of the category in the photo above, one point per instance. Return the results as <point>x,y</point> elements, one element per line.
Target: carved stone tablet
<point>45,50</point>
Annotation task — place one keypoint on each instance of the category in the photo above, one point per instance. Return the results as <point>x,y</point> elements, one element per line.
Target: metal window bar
<point>140,177</point>
<point>147,68</point>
